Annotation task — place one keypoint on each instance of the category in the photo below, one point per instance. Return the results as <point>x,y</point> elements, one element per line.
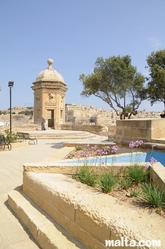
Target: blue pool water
<point>134,157</point>
<point>159,156</point>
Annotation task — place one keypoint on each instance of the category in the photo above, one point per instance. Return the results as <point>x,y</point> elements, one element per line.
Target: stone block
<point>84,237</point>
<point>92,224</point>
<point>51,242</point>
<point>145,129</point>
<point>16,203</point>
<point>27,180</point>
<point>40,193</point>
<point>158,175</point>
<point>35,197</point>
<point>64,206</point>
<point>55,214</point>
<point>27,190</point>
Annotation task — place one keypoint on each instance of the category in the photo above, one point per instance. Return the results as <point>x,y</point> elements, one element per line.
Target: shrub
<point>137,173</point>
<point>125,183</point>
<point>78,147</point>
<point>135,192</point>
<point>108,182</point>
<point>152,196</point>
<point>10,136</point>
<point>87,176</point>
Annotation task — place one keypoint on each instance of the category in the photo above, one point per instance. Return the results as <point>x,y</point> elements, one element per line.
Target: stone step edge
<point>63,138</point>
<point>45,231</point>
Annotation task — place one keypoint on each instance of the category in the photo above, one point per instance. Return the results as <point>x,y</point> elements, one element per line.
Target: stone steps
<point>88,215</point>
<point>57,196</point>
<point>60,134</point>
<point>46,232</point>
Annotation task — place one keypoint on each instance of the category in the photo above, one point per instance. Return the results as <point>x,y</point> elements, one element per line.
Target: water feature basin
<point>120,158</point>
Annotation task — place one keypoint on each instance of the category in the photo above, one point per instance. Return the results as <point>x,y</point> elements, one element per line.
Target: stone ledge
<point>58,168</point>
<point>158,175</point>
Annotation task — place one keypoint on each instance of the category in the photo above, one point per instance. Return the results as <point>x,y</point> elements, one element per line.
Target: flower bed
<point>134,185</point>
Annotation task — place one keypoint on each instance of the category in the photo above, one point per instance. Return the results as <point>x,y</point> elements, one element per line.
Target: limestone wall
<point>105,120</point>
<point>81,114</point>
<point>139,129</point>
<point>29,127</point>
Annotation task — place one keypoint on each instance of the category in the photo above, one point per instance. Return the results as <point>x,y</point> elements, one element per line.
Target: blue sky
<point>74,33</point>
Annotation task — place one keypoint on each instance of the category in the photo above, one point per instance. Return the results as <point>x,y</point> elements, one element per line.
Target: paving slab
<point>12,233</point>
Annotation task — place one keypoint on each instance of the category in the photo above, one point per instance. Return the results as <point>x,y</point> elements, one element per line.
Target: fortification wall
<point>139,129</point>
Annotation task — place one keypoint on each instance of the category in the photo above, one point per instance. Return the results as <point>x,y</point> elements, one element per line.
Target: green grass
<point>108,182</point>
<point>125,183</point>
<point>135,179</point>
<point>87,176</point>
<point>136,173</point>
<point>152,196</point>
<point>78,147</point>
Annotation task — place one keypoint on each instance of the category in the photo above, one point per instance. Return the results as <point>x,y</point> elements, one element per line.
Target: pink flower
<point>152,160</point>
<point>137,143</point>
<point>131,144</point>
<point>114,148</point>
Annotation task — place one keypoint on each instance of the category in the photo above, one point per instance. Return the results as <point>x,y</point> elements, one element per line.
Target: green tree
<point>113,80</point>
<point>156,80</point>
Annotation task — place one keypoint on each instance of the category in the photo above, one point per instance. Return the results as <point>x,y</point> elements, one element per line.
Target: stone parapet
<point>139,129</point>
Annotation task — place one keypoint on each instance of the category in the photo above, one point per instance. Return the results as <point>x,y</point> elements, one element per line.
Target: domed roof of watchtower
<point>49,74</point>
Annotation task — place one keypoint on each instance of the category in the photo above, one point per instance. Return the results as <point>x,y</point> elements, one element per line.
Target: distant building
<point>82,114</point>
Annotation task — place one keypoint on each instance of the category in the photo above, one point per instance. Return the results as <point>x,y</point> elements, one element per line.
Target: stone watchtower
<point>49,97</point>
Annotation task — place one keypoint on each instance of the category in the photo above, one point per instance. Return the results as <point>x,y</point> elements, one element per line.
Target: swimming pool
<point>122,158</point>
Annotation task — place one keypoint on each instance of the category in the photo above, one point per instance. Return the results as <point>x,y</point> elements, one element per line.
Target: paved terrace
<point>12,234</point>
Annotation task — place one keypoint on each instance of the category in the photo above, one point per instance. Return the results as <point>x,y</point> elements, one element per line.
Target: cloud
<point>155,43</point>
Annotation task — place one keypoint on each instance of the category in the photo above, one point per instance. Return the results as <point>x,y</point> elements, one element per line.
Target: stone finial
<point>50,62</point>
